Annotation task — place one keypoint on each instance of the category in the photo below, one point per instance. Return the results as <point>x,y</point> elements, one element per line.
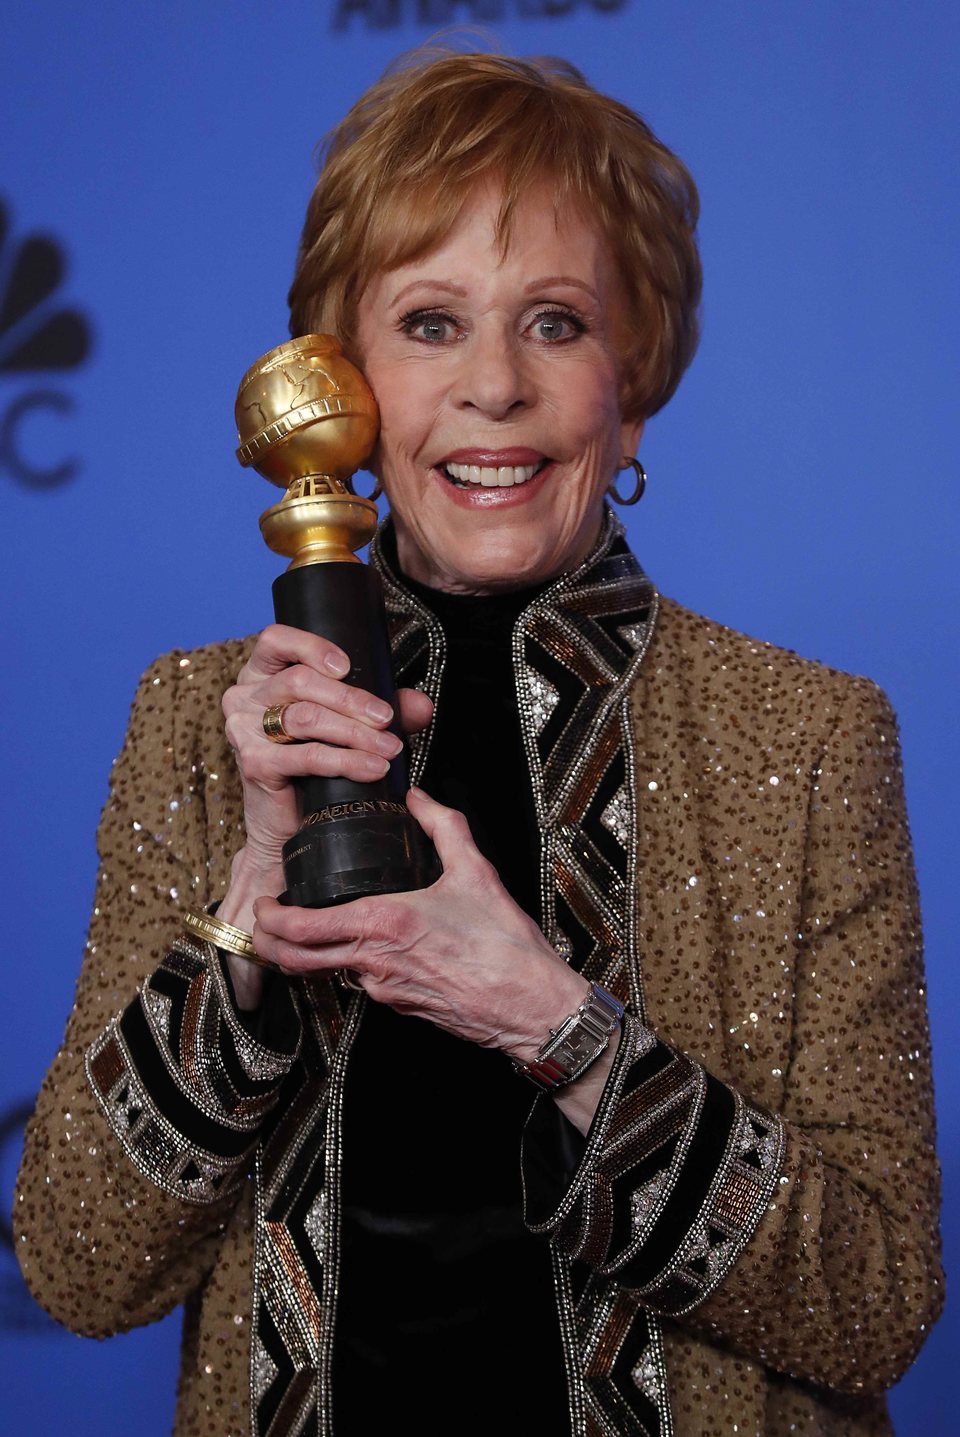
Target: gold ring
<point>273,724</point>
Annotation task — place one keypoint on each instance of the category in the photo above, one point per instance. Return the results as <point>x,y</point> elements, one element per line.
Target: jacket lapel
<point>577,652</point>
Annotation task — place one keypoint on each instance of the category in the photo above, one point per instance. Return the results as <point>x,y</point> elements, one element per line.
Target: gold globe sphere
<point>302,410</point>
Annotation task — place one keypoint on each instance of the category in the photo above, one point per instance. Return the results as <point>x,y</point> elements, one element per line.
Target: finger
<point>296,958</point>
<point>313,927</point>
<point>370,927</point>
<point>280,645</point>
<point>273,765</point>
<point>278,936</point>
<point>449,831</point>
<point>330,738</point>
<point>415,708</point>
<point>302,940</point>
<point>309,722</point>
<point>298,681</point>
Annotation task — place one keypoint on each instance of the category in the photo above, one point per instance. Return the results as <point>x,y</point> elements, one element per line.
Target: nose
<point>494,377</point>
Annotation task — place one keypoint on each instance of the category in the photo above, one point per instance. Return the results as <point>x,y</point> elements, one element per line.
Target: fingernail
<point>338,664</point>
<point>417,792</point>
<point>378,711</point>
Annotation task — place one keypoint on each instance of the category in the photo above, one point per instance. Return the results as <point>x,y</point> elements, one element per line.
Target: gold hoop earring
<point>641,484</point>
<point>374,494</point>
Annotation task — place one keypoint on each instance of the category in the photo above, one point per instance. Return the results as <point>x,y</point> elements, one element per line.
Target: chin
<point>510,566</point>
<point>480,558</point>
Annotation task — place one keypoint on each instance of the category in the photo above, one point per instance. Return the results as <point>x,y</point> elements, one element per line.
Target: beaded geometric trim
<point>576,650</point>
<point>183,1087</point>
<point>653,1202</point>
<point>677,1171</point>
<point>679,1174</point>
<point>296,1260</point>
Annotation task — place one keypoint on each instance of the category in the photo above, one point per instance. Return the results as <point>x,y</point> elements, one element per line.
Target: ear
<point>631,431</point>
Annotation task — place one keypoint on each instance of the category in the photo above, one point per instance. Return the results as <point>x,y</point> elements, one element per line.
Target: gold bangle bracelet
<point>223,935</point>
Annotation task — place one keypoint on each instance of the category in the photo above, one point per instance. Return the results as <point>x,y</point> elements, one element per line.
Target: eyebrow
<point>459,292</point>
<point>567,279</point>
<point>444,284</point>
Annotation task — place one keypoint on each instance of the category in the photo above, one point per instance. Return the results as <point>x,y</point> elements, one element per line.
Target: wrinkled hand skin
<point>460,954</point>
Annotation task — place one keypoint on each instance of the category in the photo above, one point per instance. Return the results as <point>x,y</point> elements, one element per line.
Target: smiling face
<point>497,377</point>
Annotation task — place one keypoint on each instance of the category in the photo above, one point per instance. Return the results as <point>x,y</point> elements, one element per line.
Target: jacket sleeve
<point>806,1238</point>
<point>145,1124</point>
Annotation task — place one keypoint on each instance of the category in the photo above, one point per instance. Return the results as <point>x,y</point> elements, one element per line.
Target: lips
<point>491,468</point>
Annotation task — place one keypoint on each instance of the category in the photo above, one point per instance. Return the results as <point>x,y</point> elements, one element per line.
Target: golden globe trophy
<point>306,420</point>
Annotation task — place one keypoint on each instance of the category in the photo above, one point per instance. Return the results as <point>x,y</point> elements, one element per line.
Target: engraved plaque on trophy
<point>306,420</point>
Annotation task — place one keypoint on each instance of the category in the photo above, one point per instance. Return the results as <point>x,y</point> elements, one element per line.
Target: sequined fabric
<point>769,881</point>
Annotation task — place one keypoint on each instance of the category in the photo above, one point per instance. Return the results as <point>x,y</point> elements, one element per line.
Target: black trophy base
<point>356,848</point>
<point>356,839</point>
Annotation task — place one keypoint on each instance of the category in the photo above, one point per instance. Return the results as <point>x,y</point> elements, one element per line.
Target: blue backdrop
<point>165,152</point>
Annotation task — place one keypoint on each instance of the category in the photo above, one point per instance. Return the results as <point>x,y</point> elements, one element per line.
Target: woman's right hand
<point>342,732</point>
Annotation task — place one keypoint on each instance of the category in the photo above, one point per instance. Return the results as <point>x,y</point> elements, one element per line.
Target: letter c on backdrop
<point>11,452</point>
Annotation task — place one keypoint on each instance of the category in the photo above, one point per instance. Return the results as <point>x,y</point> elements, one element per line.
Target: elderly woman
<point>684,848</point>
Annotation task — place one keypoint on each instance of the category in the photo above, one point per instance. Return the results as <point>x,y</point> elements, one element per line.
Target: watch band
<point>578,1042</point>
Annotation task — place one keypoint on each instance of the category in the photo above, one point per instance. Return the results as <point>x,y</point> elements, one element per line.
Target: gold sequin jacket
<point>747,1241</point>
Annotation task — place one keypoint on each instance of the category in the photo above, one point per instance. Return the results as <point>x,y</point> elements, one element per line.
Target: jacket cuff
<point>670,1184</point>
<point>183,1084</point>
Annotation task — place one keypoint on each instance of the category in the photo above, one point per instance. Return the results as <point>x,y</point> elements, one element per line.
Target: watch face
<point>578,1041</point>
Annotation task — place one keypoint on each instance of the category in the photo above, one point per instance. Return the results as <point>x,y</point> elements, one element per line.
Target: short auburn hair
<point>400,166</point>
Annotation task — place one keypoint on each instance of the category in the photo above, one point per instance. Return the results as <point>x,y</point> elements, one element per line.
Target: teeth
<point>490,478</point>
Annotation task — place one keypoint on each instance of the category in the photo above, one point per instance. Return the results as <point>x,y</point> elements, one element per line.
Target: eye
<point>431,326</point>
<point>554,325</point>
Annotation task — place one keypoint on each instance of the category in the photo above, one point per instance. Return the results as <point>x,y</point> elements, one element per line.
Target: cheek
<point>584,398</point>
<point>392,454</point>
<point>596,427</point>
<point>407,417</point>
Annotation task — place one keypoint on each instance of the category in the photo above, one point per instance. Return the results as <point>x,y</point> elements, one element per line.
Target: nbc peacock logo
<point>38,335</point>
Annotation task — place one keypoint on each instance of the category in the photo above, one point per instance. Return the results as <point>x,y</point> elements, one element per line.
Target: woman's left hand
<point>461,953</point>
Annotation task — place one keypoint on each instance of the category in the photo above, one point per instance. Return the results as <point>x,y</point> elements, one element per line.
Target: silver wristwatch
<point>579,1041</point>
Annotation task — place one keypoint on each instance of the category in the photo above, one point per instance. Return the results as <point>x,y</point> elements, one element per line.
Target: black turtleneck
<point>476,762</point>
<point>446,1314</point>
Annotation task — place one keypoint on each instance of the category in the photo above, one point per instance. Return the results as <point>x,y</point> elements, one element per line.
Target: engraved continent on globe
<point>303,409</point>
